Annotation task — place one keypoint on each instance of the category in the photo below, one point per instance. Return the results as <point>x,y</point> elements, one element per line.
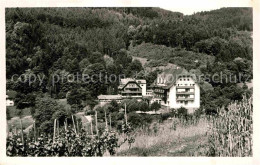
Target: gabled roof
<point>109,97</point>
<point>124,82</point>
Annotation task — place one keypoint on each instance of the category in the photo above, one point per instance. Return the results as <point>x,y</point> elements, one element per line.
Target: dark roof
<point>124,82</point>
<point>170,76</point>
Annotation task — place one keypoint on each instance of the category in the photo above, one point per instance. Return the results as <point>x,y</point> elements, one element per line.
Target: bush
<point>155,106</point>
<point>182,112</point>
<point>165,116</point>
<point>46,109</point>
<point>138,120</point>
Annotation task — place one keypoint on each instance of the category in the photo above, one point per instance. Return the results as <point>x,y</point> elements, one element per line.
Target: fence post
<point>58,127</point>
<point>34,131</point>
<point>110,121</point>
<point>96,122</point>
<point>106,119</point>
<point>21,130</point>
<point>54,131</point>
<point>74,124</point>
<point>91,127</point>
<point>125,114</point>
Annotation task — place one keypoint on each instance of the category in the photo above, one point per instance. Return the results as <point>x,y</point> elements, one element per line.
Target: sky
<point>188,7</point>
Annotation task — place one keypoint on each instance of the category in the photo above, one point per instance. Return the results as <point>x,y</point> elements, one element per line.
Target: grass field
<point>13,111</point>
<point>15,122</point>
<point>27,119</point>
<point>167,141</point>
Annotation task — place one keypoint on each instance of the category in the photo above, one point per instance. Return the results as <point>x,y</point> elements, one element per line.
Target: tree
<point>114,107</point>
<point>83,64</point>
<point>134,67</point>
<point>155,106</point>
<point>131,105</point>
<point>96,57</point>
<point>123,59</point>
<point>45,110</point>
<point>8,115</point>
<point>95,80</point>
<point>143,106</point>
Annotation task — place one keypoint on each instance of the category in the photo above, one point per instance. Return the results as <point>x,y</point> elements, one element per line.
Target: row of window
<point>185,96</point>
<point>186,84</point>
<point>159,90</point>
<point>184,79</point>
<point>158,95</point>
<point>185,102</point>
<point>132,85</point>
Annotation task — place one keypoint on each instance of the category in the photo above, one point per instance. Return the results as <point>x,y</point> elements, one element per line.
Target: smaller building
<point>104,99</point>
<point>9,101</point>
<point>131,88</point>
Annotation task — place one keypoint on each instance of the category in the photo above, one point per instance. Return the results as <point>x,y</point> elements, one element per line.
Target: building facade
<point>177,89</point>
<point>9,101</point>
<point>131,88</point>
<point>185,93</point>
<point>174,89</point>
<point>104,99</point>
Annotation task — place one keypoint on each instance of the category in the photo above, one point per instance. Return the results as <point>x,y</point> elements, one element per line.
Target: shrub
<point>155,106</point>
<point>182,112</point>
<point>138,120</point>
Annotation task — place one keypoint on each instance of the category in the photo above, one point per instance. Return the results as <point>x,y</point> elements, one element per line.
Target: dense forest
<point>63,41</point>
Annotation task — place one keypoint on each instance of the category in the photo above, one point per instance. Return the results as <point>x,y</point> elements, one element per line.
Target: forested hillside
<point>63,41</point>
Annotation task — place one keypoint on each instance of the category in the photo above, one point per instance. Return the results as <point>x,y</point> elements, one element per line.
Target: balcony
<point>185,87</point>
<point>132,96</point>
<point>129,87</point>
<point>185,93</point>
<point>185,99</point>
<point>158,91</point>
<point>136,92</point>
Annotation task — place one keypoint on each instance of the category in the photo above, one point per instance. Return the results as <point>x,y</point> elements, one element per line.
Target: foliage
<point>182,112</point>
<point>8,115</point>
<point>114,107</point>
<point>181,57</point>
<point>139,120</point>
<point>133,105</point>
<point>66,143</point>
<point>77,96</point>
<point>155,106</point>
<point>231,131</point>
<point>46,110</point>
<point>221,97</point>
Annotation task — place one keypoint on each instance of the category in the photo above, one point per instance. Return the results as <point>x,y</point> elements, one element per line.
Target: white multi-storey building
<point>184,93</point>
<point>177,89</point>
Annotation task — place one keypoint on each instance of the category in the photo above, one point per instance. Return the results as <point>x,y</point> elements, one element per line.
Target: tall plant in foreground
<point>231,131</point>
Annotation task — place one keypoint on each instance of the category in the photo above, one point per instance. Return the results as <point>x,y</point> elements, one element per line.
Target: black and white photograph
<point>128,82</point>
